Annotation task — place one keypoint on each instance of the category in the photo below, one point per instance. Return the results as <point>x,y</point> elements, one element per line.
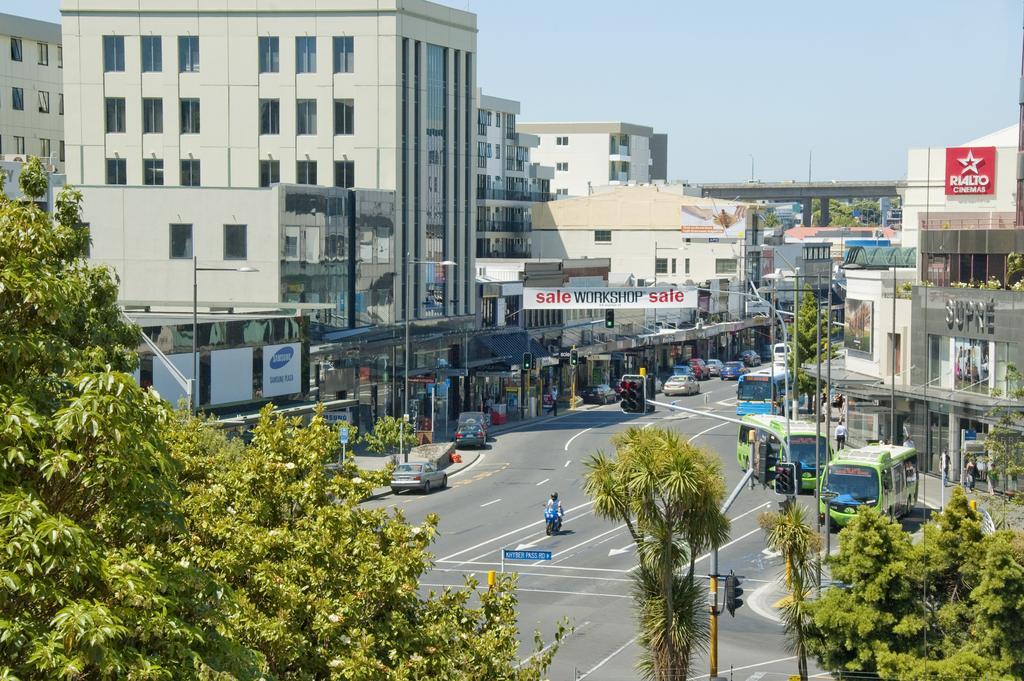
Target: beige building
<point>31,90</point>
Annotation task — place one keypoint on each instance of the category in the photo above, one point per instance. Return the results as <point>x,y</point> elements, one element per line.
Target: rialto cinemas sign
<point>971,315</point>
<point>970,170</point>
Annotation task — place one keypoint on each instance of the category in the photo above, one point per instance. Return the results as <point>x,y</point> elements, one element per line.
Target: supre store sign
<point>970,170</point>
<point>616,298</point>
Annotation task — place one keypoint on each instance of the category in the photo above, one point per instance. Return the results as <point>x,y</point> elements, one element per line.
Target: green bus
<point>884,477</point>
<point>803,434</point>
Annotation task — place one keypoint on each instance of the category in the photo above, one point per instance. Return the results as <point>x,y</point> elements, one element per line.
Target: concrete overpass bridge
<point>803,192</point>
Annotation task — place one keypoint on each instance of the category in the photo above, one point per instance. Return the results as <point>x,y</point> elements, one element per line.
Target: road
<point>498,502</point>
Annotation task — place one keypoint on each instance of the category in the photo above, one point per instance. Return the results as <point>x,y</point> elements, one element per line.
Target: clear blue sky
<point>860,82</point>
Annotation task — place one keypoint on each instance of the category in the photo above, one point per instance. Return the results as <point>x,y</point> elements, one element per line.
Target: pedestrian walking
<point>945,468</point>
<point>969,471</point>
<point>841,435</point>
<point>554,401</point>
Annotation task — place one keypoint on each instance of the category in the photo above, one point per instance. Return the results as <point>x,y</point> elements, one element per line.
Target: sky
<point>852,84</point>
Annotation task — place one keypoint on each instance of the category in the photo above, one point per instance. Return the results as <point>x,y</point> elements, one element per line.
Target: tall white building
<point>335,93</point>
<point>507,182</point>
<point>31,90</point>
<point>588,155</point>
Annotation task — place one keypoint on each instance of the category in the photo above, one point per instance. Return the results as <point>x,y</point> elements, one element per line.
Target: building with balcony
<point>31,91</point>
<point>588,155</point>
<point>507,182</point>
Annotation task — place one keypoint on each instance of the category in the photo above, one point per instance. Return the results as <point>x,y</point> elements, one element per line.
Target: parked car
<point>682,370</point>
<point>422,476</point>
<point>715,366</point>
<point>700,369</point>
<point>750,358</point>
<point>474,418</point>
<point>470,435</point>
<point>732,371</point>
<point>681,385</point>
<point>599,394</point>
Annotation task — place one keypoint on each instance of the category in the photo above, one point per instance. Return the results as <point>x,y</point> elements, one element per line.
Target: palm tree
<point>788,533</point>
<point>770,220</point>
<point>668,493</point>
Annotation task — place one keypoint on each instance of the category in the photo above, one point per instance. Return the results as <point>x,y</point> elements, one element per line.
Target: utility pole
<point>796,338</point>
<point>817,417</point>
<point>892,365</point>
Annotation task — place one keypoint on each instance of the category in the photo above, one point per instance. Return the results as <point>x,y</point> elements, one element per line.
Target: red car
<point>700,369</point>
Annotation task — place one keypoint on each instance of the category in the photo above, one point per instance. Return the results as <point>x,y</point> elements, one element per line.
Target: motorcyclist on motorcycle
<point>554,503</point>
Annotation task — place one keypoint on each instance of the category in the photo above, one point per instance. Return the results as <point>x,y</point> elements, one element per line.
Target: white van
<point>780,354</point>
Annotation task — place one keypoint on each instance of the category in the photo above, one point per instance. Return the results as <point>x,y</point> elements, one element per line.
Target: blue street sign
<point>527,555</point>
<point>970,434</point>
<point>343,435</point>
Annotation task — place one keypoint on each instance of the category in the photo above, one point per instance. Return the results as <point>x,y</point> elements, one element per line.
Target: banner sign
<point>699,221</point>
<point>282,369</point>
<point>970,170</point>
<point>634,298</point>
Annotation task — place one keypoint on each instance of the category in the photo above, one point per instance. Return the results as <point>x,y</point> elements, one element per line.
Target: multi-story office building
<point>588,155</point>
<point>507,183</point>
<point>31,90</point>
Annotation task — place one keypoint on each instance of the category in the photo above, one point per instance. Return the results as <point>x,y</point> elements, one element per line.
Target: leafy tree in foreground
<point>668,493</point>
<point>327,588</point>
<point>87,490</point>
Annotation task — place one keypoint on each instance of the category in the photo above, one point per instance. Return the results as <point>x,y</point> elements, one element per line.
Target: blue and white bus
<point>759,391</point>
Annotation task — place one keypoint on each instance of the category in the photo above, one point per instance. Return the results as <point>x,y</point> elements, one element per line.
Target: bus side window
<point>897,475</point>
<point>745,432</point>
<point>887,481</point>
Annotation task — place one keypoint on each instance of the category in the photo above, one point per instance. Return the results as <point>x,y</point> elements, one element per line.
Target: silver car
<point>681,385</point>
<point>418,475</point>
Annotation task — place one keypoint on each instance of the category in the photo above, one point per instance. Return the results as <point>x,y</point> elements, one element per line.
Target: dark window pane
<point>344,115</point>
<point>117,171</point>
<point>344,61</point>
<point>190,172</point>
<point>181,241</point>
<point>305,54</point>
<point>18,99</point>
<point>113,53</point>
<point>188,53</point>
<point>305,172</point>
<point>153,171</point>
<point>234,242</point>
<point>115,114</point>
<point>344,174</point>
<point>270,117</point>
<point>270,173</point>
<point>152,54</point>
<point>190,117</point>
<point>15,49</point>
<point>305,117</point>
<point>152,115</point>
<point>269,52</point>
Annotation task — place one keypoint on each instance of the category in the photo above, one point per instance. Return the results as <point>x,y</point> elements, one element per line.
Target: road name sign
<point>509,554</point>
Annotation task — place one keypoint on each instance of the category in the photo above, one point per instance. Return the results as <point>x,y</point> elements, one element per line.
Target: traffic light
<point>574,357</point>
<point>733,602</point>
<point>787,478</point>
<point>633,392</point>
<point>609,319</point>
<point>527,361</point>
<point>767,462</point>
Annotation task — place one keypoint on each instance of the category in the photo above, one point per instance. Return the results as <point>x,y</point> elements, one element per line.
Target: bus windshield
<point>802,450</point>
<point>858,482</point>
<point>757,388</point>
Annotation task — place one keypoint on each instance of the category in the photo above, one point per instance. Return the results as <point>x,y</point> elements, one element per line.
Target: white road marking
<point>585,541</point>
<point>511,532</point>
<point>459,472</point>
<point>750,666</point>
<point>542,482</point>
<point>548,646</point>
<point>605,660</point>
<point>536,591</point>
<point>624,549</point>
<point>694,437</point>
<point>753,510</point>
<point>552,567</point>
<point>720,548</point>
<point>529,545</point>
<point>574,437</point>
<point>648,424</point>
<point>567,463</point>
<point>554,576</point>
<point>490,502</point>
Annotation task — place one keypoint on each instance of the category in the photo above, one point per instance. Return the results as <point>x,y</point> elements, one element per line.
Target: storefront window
<point>940,370</point>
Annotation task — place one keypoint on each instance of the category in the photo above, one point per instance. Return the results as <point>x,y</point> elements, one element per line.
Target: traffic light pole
<point>713,577</point>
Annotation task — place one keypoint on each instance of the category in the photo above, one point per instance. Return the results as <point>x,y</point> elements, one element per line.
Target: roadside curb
<point>450,470</point>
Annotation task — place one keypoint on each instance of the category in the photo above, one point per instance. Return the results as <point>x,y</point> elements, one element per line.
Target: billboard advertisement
<point>970,170</point>
<point>713,222</point>
<point>282,369</point>
<point>859,324</point>
<point>231,375</point>
<point>588,298</point>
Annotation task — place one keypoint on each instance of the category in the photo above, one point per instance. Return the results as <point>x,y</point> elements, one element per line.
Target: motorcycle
<point>553,521</point>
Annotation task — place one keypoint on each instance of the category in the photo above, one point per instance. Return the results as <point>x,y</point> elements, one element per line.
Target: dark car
<point>700,369</point>
<point>474,418</point>
<point>732,371</point>
<point>599,394</point>
<point>471,435</point>
<point>750,358</point>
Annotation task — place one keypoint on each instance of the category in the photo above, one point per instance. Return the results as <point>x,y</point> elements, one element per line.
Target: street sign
<point>509,554</point>
<point>970,434</point>
<point>343,436</point>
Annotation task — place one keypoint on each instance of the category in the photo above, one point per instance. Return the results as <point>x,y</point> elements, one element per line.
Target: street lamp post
<point>193,397</point>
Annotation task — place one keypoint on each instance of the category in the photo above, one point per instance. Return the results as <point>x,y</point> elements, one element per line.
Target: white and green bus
<point>803,435</point>
<point>883,477</point>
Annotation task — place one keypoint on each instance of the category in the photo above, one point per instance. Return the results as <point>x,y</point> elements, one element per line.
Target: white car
<point>681,385</point>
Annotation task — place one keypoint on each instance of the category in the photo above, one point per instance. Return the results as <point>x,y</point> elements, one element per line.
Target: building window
<point>152,115</point>
<point>60,145</point>
<point>60,56</point>
<point>291,247</point>
<point>562,191</point>
<point>44,148</point>
<point>562,166</point>
<point>235,242</point>
<point>190,117</point>
<point>60,103</point>
<point>344,116</point>
<point>153,171</point>
<point>562,141</point>
<point>305,54</point>
<point>345,174</point>
<point>602,236</point>
<point>19,144</point>
<point>270,54</point>
<point>725,266</point>
<point>190,172</point>
<point>17,99</point>
<point>44,101</point>
<point>44,54</point>
<point>270,173</point>
<point>117,171</point>
<point>181,241</point>
<point>305,117</point>
<point>15,49</point>
<point>497,151</point>
<point>673,265</point>
<point>115,114</point>
<point>686,266</point>
<point>152,54</point>
<point>270,117</point>
<point>188,53</point>
<point>344,55</point>
<point>113,53</point>
<point>661,265</point>
<point>305,172</point>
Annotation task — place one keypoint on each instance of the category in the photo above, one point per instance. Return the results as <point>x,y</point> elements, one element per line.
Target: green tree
<point>842,214</point>
<point>389,435</point>
<point>668,493</point>
<point>770,220</point>
<point>327,589</point>
<point>1005,441</point>
<point>788,533</point>
<point>88,588</point>
<point>803,336</point>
